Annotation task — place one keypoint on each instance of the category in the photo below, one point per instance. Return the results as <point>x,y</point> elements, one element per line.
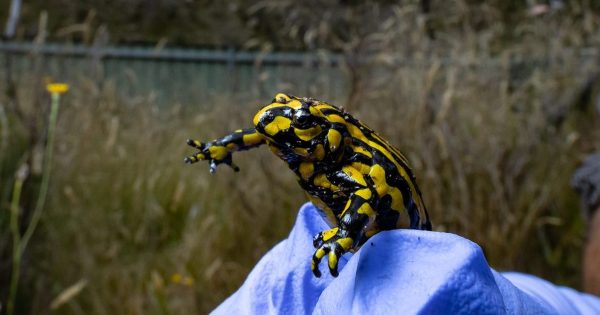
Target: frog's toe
<point>229,161</point>
<point>212,166</point>
<point>333,259</point>
<point>316,259</point>
<point>194,158</point>
<point>195,144</point>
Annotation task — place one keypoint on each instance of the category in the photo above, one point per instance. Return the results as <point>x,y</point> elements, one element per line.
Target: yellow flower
<point>176,278</point>
<point>57,88</point>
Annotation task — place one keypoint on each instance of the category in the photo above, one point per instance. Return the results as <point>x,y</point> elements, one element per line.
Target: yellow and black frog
<point>359,181</point>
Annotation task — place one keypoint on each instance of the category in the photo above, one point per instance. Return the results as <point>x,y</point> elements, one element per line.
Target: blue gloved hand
<point>395,272</point>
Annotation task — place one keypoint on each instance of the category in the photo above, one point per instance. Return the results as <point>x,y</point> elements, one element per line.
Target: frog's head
<point>293,123</point>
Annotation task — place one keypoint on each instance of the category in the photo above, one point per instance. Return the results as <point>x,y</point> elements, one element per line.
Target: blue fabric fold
<point>395,272</point>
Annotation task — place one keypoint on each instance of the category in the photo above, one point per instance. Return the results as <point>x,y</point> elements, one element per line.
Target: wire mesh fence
<point>192,76</point>
<point>185,76</point>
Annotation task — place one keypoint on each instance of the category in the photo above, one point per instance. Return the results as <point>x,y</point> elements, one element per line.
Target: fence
<point>193,76</point>
<point>186,76</point>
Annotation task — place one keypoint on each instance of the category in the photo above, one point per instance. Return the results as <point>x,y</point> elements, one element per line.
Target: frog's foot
<point>212,152</point>
<point>333,243</point>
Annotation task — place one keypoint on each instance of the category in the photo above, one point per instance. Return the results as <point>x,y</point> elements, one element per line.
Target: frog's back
<point>389,166</point>
<point>385,165</point>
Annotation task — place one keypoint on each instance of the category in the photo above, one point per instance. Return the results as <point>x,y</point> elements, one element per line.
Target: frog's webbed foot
<point>213,152</point>
<point>333,243</point>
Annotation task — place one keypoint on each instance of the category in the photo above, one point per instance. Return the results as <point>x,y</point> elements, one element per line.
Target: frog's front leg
<point>339,240</point>
<point>220,150</point>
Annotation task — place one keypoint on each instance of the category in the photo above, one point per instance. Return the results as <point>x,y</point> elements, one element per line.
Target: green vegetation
<point>494,122</point>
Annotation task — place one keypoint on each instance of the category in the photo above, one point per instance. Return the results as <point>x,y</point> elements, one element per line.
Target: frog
<point>358,181</point>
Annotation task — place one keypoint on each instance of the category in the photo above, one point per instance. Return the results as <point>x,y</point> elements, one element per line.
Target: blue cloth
<point>395,272</point>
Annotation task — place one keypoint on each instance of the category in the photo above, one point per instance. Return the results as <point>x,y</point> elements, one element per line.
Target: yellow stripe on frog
<point>278,124</point>
<point>309,133</point>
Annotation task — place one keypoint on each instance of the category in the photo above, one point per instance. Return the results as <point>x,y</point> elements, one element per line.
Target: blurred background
<point>493,102</point>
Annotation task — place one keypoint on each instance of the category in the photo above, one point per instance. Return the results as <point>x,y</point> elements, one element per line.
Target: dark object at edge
<point>586,181</point>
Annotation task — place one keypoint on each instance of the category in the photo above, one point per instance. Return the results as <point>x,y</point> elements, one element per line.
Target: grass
<point>118,202</point>
<point>126,221</point>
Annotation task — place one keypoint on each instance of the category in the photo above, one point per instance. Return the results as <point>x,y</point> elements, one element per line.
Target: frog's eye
<point>302,118</point>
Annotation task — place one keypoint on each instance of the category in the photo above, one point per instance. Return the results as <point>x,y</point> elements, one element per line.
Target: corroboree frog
<point>359,181</point>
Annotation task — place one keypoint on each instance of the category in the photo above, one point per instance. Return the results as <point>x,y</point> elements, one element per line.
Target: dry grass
<point>126,214</point>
